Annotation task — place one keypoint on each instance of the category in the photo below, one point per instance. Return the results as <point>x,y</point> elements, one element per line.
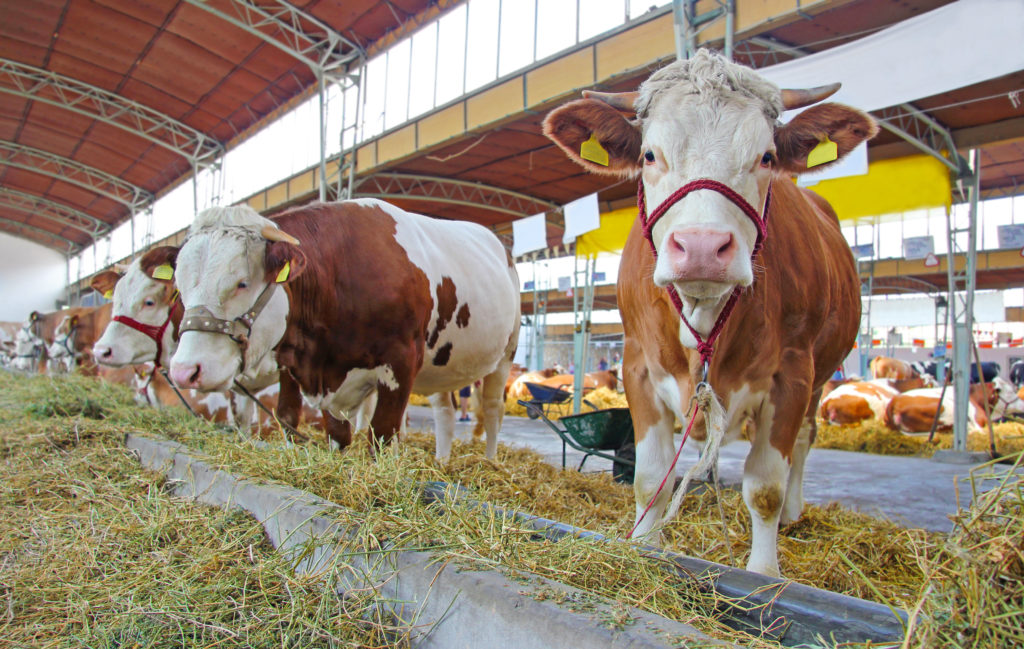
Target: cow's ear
<point>159,263</point>
<point>846,127</point>
<point>283,261</point>
<point>587,127</point>
<point>103,283</point>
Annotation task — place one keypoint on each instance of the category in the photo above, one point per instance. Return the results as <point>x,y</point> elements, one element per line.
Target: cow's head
<point>704,118</point>
<point>230,256</point>
<point>143,293</point>
<point>27,348</point>
<point>61,352</point>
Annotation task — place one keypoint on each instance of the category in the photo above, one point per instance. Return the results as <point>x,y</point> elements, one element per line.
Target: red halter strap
<point>704,346</point>
<point>154,332</point>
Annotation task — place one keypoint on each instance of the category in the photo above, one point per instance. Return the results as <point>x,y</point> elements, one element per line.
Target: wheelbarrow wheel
<point>532,413</point>
<point>624,471</point>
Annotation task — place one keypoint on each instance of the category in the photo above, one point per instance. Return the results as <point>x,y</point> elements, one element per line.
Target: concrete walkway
<point>913,492</point>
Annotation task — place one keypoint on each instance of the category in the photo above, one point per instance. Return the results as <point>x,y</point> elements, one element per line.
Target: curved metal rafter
<point>48,87</point>
<point>293,31</point>
<point>73,246</point>
<point>391,186</point>
<point>70,171</point>
<point>57,212</point>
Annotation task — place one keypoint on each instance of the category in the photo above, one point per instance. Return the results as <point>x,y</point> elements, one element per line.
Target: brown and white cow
<point>73,340</point>
<point>856,401</point>
<point>711,125</point>
<point>359,296</point>
<point>883,367</point>
<point>914,411</point>
<point>147,309</point>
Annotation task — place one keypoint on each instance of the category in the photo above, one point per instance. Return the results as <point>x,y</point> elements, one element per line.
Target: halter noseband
<point>200,318</point>
<point>156,333</point>
<point>704,346</point>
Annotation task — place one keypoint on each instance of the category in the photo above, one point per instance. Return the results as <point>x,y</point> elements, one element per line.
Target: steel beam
<point>54,211</point>
<point>396,186</point>
<point>72,246</point>
<point>292,31</point>
<point>35,84</point>
<point>76,173</point>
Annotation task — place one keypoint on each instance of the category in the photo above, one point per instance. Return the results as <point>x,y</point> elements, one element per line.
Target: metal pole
<point>497,56</point>
<point>133,229</point>
<point>323,135</point>
<point>679,23</point>
<point>963,331</point>
<point>730,27</point>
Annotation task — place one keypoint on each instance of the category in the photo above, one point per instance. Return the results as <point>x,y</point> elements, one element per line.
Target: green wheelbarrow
<point>605,433</point>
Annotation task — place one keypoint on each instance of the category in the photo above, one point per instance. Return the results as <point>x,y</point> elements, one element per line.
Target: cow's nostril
<point>195,375</point>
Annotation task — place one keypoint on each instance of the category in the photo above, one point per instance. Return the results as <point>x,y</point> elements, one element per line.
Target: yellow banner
<point>890,186</point>
<point>610,237</point>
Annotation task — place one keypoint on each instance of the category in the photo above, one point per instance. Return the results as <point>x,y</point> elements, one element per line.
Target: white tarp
<point>529,234</point>
<point>581,216</point>
<point>951,47</point>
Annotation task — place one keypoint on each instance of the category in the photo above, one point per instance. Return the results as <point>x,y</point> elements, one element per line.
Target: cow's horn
<point>618,100</point>
<point>120,269</point>
<point>799,98</point>
<point>271,233</point>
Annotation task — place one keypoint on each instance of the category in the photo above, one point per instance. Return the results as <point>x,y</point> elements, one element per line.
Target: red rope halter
<point>704,346</point>
<point>152,331</point>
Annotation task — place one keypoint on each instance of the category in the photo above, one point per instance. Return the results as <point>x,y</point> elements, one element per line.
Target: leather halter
<point>154,332</point>
<point>705,346</point>
<point>200,318</point>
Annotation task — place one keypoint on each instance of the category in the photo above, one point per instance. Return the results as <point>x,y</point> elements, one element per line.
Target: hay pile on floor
<point>829,547</point>
<point>974,593</point>
<point>875,437</point>
<point>601,398</point>
<point>93,553</point>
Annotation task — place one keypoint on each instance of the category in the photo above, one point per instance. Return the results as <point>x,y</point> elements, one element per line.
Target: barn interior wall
<point>32,277</point>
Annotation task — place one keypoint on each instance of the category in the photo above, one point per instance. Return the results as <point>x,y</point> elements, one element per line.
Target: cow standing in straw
<point>722,229</point>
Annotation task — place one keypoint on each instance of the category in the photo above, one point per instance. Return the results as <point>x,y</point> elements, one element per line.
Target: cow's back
<point>375,273</point>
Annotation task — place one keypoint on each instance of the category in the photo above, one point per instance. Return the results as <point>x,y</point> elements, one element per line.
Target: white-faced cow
<point>715,167</point>
<point>352,298</point>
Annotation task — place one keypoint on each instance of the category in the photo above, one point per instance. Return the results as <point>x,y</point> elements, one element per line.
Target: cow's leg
<point>794,504</point>
<point>365,411</point>
<point>652,431</point>
<point>444,423</point>
<point>493,405</point>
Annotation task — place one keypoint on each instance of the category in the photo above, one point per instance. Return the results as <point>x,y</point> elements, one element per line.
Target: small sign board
<point>918,247</point>
<point>1010,236</point>
<point>931,261</point>
<point>863,250</point>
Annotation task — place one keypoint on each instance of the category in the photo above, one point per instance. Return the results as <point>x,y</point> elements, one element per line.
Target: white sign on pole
<point>581,216</point>
<point>529,234</point>
<point>918,247</point>
<point>1011,236</point>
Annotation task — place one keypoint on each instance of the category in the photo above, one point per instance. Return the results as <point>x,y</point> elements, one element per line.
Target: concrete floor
<point>913,492</point>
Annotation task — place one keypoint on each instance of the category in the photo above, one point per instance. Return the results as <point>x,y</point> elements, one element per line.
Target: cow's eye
<point>649,156</point>
<point>242,285</point>
<point>767,159</point>
<point>150,302</point>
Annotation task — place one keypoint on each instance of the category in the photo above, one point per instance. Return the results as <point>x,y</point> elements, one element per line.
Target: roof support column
<point>321,92</point>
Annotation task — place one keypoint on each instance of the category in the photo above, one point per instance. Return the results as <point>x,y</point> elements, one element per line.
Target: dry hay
<point>875,437</point>
<point>94,553</point>
<point>601,398</point>
<point>829,547</point>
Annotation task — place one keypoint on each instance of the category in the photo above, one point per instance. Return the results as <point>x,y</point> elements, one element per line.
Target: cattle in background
<point>707,124</point>
<point>143,330</point>
<point>28,348</point>
<point>374,299</point>
<point>856,401</point>
<point>514,385</point>
<point>1009,403</point>
<point>1017,373</point>
<point>883,367</point>
<point>914,411</point>
<point>989,369</point>
<point>73,340</point>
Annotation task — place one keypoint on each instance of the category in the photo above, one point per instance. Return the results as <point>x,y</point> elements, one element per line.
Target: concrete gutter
<point>440,606</point>
<point>787,612</point>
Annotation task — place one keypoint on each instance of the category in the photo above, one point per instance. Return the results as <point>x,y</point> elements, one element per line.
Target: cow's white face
<point>704,241</point>
<point>141,298</point>
<point>223,270</point>
<point>26,346</point>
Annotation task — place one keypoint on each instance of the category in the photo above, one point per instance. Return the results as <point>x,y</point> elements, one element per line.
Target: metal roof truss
<point>453,192</point>
<point>54,211</point>
<point>72,246</point>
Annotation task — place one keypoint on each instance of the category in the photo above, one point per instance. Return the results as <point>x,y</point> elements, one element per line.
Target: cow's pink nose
<point>696,254</point>
<point>186,376</point>
<point>102,351</point>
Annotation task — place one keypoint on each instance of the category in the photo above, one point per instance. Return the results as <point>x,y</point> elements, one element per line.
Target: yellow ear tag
<point>282,276</point>
<point>109,294</point>
<point>163,271</point>
<point>593,151</point>
<point>826,151</point>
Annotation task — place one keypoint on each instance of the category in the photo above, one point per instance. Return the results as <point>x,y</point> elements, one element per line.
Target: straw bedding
<point>80,525</point>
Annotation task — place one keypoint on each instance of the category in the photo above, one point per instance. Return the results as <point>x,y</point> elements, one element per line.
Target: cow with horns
<point>352,298</point>
<point>727,231</point>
